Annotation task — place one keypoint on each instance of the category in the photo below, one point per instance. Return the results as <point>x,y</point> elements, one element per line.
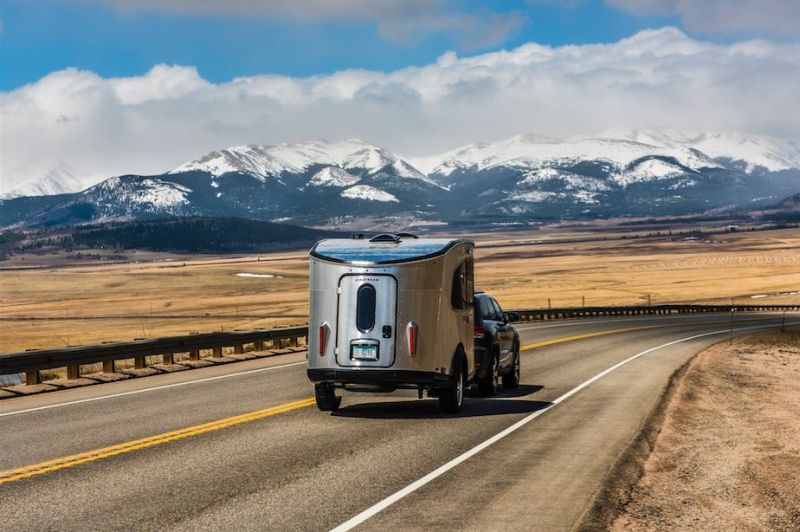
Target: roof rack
<point>406,235</point>
<point>385,237</point>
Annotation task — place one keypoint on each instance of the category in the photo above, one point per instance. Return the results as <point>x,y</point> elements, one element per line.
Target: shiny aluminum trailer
<point>391,312</point>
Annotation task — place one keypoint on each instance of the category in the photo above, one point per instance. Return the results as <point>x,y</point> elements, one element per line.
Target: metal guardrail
<point>33,361</point>
<point>542,314</point>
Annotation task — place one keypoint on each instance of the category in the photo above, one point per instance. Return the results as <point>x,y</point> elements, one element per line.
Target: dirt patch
<point>727,455</point>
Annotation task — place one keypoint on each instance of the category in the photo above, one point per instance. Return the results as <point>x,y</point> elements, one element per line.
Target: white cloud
<point>154,122</point>
<point>771,17</point>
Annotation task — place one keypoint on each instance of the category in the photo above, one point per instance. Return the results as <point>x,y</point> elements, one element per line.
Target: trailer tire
<point>327,400</point>
<point>488,385</point>
<point>451,398</point>
<point>511,380</point>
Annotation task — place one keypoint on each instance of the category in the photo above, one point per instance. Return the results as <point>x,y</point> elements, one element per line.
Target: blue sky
<point>122,39</point>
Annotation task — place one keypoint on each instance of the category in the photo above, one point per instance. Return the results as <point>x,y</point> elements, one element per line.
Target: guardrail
<point>31,362</point>
<point>541,314</point>
<point>72,358</point>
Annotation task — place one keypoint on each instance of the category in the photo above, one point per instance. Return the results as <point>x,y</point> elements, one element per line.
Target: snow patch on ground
<point>331,176</point>
<point>366,192</point>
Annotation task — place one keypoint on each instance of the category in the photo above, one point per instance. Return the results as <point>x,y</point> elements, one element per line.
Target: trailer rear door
<point>366,324</point>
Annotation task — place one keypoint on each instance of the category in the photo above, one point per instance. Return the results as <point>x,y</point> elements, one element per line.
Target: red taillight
<point>412,331</point>
<point>480,332</point>
<point>323,336</point>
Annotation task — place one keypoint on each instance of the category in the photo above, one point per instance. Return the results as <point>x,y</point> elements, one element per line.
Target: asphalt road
<point>281,464</point>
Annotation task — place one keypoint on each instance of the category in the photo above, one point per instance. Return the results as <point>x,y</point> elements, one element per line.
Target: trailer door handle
<point>387,331</point>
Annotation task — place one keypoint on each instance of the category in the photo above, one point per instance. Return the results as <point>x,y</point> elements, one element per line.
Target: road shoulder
<point>722,450</point>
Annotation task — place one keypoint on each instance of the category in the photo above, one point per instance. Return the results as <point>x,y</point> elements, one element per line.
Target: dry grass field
<point>80,304</point>
<point>727,456</point>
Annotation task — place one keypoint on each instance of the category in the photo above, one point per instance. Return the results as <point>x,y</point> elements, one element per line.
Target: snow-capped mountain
<point>640,173</point>
<point>274,161</point>
<point>530,152</point>
<point>60,180</point>
<point>744,152</point>
<point>623,172</point>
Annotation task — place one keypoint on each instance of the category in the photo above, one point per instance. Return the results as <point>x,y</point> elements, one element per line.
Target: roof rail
<point>406,235</point>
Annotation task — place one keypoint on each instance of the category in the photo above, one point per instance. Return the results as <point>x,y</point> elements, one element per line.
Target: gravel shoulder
<point>723,452</point>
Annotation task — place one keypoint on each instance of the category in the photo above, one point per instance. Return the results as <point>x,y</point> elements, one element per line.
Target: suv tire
<point>511,380</point>
<point>488,385</point>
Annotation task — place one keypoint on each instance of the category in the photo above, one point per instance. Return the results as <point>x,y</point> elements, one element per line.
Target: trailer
<point>391,312</point>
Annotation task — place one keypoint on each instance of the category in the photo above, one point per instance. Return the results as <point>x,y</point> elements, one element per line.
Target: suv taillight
<point>480,332</point>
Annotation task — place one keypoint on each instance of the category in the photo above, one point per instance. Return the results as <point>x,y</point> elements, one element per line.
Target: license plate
<point>364,352</point>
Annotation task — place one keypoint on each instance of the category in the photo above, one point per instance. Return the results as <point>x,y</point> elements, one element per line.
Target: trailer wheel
<point>488,385</point>
<point>326,397</point>
<point>511,380</point>
<point>451,398</point>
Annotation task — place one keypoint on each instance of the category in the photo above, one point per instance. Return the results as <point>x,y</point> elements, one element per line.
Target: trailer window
<point>365,308</point>
<point>463,286</point>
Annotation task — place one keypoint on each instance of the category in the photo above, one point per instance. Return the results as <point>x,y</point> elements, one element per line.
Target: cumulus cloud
<point>399,21</point>
<point>771,17</point>
<point>154,122</point>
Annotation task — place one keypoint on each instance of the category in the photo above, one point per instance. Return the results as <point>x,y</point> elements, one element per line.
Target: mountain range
<point>621,172</point>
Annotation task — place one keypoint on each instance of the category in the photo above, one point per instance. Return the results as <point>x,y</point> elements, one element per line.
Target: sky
<point>107,87</point>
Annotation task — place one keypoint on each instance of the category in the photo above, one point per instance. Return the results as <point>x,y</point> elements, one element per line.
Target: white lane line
<point>143,390</point>
<point>396,496</point>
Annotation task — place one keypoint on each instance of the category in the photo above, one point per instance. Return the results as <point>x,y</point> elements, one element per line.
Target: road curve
<point>238,445</point>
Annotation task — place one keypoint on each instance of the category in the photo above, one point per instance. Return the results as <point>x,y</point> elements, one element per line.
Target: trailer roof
<point>362,251</point>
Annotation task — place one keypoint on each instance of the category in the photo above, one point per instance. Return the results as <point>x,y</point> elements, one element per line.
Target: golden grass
<point>88,304</point>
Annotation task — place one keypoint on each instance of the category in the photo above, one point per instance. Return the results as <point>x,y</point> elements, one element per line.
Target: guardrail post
<point>168,358</point>
<point>139,362</point>
<point>194,354</point>
<point>73,372</point>
<point>238,349</point>
<point>258,345</point>
<point>293,342</point>
<point>32,377</point>
<point>108,366</point>
<point>216,352</point>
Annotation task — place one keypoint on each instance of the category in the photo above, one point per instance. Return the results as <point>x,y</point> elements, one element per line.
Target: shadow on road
<point>505,402</point>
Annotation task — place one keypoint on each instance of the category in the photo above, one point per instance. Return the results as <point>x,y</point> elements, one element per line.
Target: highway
<point>242,445</point>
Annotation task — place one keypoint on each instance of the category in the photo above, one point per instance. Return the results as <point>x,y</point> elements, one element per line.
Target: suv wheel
<point>511,380</point>
<point>488,384</point>
<point>326,397</point>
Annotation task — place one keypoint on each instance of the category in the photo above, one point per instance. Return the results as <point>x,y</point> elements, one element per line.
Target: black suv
<point>496,345</point>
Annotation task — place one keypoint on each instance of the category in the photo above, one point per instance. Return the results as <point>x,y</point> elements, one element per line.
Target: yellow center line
<point>565,339</point>
<point>150,441</point>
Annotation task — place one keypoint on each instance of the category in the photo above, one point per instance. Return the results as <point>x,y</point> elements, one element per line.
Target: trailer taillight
<point>412,332</point>
<point>323,337</point>
<point>480,332</point>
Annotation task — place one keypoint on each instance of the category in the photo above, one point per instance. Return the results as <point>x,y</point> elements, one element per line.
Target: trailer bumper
<point>379,377</point>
